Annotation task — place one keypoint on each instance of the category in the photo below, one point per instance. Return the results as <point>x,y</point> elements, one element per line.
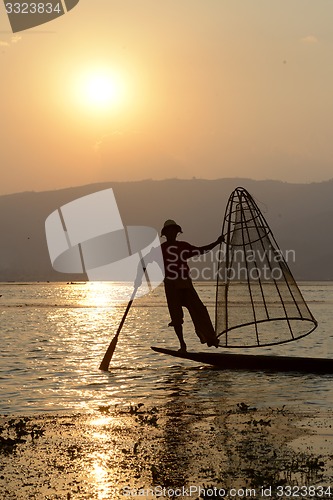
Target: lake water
<point>54,335</point>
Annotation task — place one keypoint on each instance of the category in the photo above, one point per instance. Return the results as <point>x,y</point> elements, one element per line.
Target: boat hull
<point>258,362</point>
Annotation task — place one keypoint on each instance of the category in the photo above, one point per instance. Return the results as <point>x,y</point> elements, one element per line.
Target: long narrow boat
<point>258,362</point>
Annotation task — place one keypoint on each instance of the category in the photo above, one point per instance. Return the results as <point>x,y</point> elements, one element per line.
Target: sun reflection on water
<point>100,475</point>
<point>98,294</point>
<point>106,467</point>
<point>106,293</point>
<point>100,421</point>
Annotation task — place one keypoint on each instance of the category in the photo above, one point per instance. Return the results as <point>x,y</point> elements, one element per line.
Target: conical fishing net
<point>258,302</point>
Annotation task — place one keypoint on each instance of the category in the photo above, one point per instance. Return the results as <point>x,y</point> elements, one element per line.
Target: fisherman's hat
<point>169,223</point>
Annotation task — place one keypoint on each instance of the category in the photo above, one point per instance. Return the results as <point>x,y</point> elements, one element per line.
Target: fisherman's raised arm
<point>207,248</point>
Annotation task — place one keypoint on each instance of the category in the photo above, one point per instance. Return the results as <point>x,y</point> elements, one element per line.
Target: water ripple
<point>50,354</point>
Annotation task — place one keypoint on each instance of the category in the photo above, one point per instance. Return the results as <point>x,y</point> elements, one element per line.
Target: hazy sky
<point>129,89</point>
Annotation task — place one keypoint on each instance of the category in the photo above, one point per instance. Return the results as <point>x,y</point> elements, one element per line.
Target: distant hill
<point>300,216</point>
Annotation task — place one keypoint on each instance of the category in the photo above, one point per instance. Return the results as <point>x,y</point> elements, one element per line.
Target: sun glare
<point>101,89</point>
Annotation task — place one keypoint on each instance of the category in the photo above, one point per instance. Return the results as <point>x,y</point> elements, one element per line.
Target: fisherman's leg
<point>202,322</point>
<point>179,333</point>
<point>176,314</point>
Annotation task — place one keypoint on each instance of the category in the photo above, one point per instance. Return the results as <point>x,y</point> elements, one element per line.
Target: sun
<point>101,89</point>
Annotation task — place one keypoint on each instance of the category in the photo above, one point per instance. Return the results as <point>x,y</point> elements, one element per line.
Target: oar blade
<point>104,366</point>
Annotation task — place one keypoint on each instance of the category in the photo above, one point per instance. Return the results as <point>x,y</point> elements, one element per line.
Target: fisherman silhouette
<point>179,289</point>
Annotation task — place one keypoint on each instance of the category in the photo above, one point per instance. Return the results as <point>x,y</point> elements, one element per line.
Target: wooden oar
<point>110,350</point>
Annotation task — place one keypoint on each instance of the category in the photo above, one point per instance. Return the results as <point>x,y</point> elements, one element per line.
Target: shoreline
<point>144,452</point>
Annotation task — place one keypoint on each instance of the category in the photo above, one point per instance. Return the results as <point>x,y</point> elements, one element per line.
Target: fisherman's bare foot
<point>182,348</point>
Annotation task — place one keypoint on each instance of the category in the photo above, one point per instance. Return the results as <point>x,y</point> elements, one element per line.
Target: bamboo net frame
<point>258,302</point>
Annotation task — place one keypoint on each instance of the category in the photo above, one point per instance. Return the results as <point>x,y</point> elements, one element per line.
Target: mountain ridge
<point>300,216</point>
